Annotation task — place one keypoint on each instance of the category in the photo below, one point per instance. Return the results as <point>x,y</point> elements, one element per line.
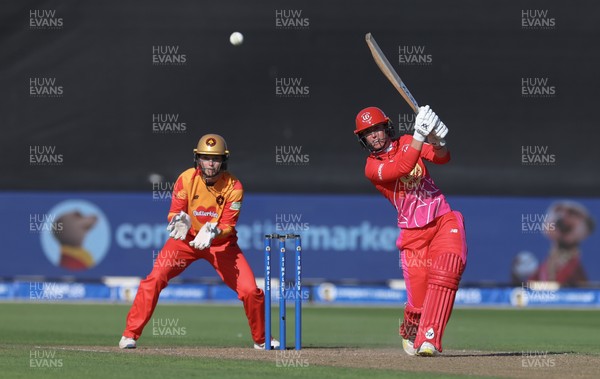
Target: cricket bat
<point>389,72</point>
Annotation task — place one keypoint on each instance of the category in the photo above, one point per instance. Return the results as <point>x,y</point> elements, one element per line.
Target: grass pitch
<point>214,341</point>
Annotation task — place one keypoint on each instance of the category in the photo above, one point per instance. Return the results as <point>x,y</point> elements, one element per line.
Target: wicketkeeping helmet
<point>212,144</point>
<point>368,118</point>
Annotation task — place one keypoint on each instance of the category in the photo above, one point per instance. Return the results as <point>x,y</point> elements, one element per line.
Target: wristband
<point>419,137</point>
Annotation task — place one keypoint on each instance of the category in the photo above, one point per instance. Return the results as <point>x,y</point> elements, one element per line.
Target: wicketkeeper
<point>204,210</point>
<point>432,242</point>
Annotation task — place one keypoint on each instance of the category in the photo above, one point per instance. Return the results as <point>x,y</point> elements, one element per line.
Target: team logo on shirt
<point>413,180</point>
<point>205,215</point>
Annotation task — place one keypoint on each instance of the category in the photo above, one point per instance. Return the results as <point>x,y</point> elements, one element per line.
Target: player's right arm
<point>385,171</point>
<point>180,222</point>
<point>379,170</point>
<point>179,199</point>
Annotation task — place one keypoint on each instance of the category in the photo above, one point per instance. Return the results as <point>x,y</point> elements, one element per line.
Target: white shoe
<point>427,350</point>
<point>261,346</point>
<point>127,343</point>
<point>408,347</point>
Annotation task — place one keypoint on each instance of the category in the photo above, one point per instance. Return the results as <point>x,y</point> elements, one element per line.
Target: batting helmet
<point>368,118</point>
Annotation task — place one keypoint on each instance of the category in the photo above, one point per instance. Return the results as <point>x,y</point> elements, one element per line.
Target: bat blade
<point>388,70</point>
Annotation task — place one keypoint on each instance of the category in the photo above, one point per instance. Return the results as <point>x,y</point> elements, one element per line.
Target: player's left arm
<point>437,155</point>
<point>231,211</point>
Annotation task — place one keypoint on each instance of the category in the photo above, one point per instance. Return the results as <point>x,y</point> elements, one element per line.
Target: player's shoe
<point>427,350</point>
<point>261,346</point>
<point>408,347</point>
<point>127,343</point>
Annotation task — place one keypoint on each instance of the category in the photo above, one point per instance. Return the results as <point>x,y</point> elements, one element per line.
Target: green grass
<point>524,330</point>
<point>25,327</point>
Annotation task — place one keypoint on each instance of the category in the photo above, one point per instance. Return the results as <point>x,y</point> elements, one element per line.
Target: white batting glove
<point>436,138</point>
<point>205,235</point>
<point>441,130</point>
<point>179,226</point>
<point>425,122</point>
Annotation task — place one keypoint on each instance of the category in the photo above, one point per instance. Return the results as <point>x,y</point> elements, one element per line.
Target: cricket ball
<point>236,38</point>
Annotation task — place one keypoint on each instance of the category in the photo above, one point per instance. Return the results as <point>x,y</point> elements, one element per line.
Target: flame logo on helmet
<point>366,117</point>
<point>211,142</point>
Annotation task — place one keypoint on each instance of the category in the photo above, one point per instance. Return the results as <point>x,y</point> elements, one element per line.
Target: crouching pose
<point>204,210</point>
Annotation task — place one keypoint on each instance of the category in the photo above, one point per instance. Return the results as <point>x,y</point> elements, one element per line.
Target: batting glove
<point>179,226</point>
<point>436,138</point>
<point>425,122</point>
<point>205,235</point>
<point>441,130</point>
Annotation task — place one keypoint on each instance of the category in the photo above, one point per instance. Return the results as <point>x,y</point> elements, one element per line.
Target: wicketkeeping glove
<point>425,122</point>
<point>205,236</point>
<point>179,226</point>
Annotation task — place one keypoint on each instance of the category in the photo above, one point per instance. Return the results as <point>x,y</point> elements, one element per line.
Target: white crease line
<point>73,349</point>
